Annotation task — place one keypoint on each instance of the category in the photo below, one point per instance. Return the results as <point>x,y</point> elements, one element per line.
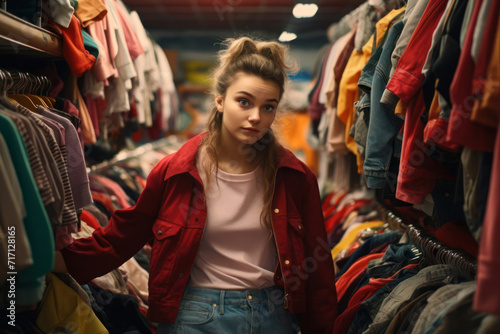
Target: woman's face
<point>248,109</point>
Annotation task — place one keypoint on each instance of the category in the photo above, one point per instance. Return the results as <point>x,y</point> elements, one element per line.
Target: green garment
<point>90,45</point>
<point>29,287</point>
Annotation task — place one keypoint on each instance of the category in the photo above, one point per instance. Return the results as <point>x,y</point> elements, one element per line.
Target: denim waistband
<point>221,298</point>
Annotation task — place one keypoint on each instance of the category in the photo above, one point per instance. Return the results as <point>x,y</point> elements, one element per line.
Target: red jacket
<point>171,213</point>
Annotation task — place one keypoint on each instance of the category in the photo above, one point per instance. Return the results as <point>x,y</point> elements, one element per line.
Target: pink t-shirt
<point>235,251</point>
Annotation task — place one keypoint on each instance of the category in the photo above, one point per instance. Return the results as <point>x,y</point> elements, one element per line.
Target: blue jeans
<point>231,311</point>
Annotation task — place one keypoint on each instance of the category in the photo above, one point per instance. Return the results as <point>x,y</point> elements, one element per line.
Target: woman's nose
<point>254,116</point>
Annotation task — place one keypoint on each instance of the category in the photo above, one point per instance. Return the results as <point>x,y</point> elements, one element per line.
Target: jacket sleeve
<point>321,294</point>
<point>126,233</point>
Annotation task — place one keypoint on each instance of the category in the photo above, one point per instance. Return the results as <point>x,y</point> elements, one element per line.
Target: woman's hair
<point>267,60</point>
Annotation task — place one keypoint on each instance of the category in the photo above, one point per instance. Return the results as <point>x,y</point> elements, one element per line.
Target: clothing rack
<point>434,251</point>
<point>170,141</point>
<point>20,37</point>
<point>17,82</point>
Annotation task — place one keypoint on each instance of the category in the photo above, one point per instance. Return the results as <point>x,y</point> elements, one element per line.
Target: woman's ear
<point>219,103</point>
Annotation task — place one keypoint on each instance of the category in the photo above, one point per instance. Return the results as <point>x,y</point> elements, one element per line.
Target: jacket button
<point>160,232</point>
<point>181,275</point>
<point>276,210</point>
<point>287,262</point>
<point>299,227</point>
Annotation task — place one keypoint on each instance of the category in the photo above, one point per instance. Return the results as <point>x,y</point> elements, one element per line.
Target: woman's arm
<point>126,233</point>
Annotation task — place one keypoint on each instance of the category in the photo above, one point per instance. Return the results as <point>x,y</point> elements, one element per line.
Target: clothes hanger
<point>31,88</point>
<point>22,99</point>
<point>44,91</point>
<point>5,86</point>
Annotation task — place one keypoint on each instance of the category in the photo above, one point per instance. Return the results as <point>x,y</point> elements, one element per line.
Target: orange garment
<point>293,129</point>
<point>400,108</point>
<point>435,109</point>
<point>86,125</point>
<point>90,11</point>
<point>348,88</point>
<point>487,110</point>
<point>78,59</point>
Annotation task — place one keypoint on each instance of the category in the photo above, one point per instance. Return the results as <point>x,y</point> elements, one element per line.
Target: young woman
<point>234,219</point>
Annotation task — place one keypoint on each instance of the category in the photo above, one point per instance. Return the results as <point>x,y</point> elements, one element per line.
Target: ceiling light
<point>287,36</point>
<point>301,10</point>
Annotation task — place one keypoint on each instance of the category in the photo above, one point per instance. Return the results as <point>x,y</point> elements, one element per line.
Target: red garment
<point>340,216</point>
<point>353,248</point>
<point>486,296</point>
<point>486,50</point>
<point>461,129</point>
<point>112,188</point>
<point>417,172</point>
<point>78,59</point>
<point>104,200</point>
<point>350,275</point>
<point>326,202</point>
<point>171,211</point>
<point>88,218</point>
<point>408,78</point>
<point>345,319</point>
<point>457,236</point>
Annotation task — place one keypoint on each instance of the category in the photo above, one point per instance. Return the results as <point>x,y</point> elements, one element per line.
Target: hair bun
<point>237,48</point>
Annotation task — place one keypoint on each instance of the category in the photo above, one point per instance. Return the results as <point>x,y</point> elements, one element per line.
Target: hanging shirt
<point>29,288</point>
<point>75,160</point>
<point>12,213</point>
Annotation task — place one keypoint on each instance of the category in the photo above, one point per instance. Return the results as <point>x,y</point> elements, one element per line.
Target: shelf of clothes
<point>391,279</point>
<point>124,76</point>
<point>406,98</point>
<point>51,199</point>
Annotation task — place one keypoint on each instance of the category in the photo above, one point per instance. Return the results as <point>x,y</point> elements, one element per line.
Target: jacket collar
<point>183,160</point>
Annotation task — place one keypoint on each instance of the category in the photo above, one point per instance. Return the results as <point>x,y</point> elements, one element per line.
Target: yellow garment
<point>349,238</point>
<point>348,87</point>
<point>349,219</point>
<point>292,129</point>
<point>400,109</point>
<point>435,108</point>
<point>62,310</point>
<point>90,11</point>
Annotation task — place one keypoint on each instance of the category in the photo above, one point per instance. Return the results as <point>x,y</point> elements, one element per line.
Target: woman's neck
<point>237,159</point>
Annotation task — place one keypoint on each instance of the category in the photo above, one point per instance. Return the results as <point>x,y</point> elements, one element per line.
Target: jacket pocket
<point>297,226</point>
<point>164,254</point>
<point>163,229</point>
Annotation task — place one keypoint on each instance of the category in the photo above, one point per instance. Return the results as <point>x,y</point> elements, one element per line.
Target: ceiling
<point>265,17</point>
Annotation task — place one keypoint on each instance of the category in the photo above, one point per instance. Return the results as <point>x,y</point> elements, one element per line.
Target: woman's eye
<point>269,108</point>
<point>244,103</point>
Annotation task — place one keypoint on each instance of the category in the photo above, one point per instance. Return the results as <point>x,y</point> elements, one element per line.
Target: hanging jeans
<point>231,311</point>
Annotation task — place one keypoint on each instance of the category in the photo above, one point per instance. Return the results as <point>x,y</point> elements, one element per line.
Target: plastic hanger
<point>22,99</point>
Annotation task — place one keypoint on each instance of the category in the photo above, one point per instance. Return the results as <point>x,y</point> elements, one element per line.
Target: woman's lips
<point>252,130</point>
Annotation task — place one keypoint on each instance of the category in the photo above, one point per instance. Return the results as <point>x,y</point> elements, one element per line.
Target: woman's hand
<point>59,264</point>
